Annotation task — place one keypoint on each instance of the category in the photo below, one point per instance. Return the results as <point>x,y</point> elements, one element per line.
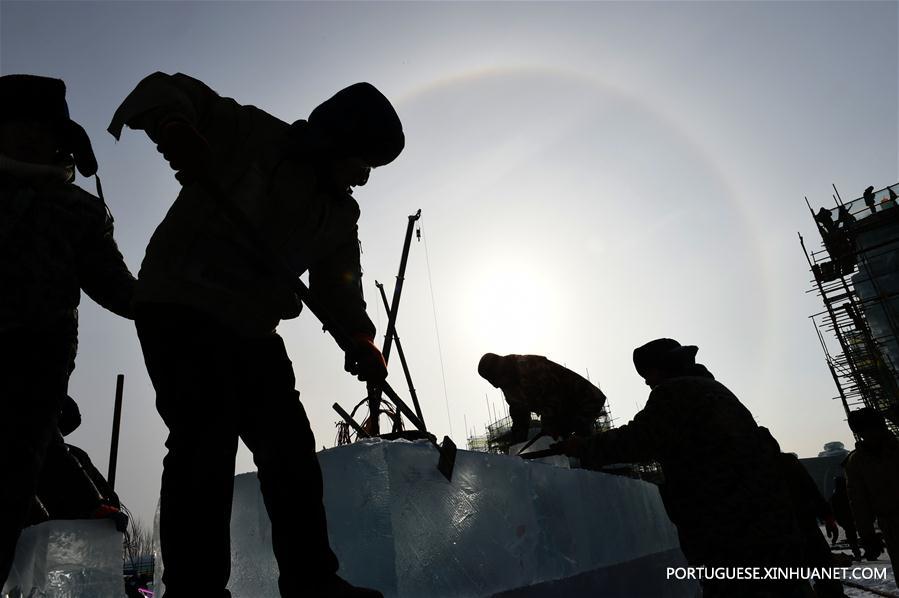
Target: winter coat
<point>722,486</point>
<point>872,481</point>
<point>551,390</point>
<point>198,257</point>
<point>55,240</point>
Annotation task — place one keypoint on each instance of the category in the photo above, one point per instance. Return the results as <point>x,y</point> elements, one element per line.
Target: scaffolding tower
<point>856,275</point>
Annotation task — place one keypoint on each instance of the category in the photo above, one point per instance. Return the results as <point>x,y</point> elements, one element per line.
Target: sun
<point>512,306</point>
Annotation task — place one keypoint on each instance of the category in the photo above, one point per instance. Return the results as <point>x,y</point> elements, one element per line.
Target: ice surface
<point>502,523</point>
<point>68,559</point>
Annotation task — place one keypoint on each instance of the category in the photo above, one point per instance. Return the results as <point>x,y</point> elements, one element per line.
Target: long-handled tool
<point>279,267</point>
<point>550,452</point>
<point>531,442</point>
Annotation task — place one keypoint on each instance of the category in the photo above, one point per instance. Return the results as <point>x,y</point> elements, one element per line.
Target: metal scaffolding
<point>495,437</point>
<point>856,275</point>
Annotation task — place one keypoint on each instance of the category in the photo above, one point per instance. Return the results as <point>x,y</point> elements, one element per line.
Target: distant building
<point>834,449</point>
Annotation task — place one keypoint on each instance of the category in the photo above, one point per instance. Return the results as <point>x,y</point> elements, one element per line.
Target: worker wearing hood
<point>208,303</point>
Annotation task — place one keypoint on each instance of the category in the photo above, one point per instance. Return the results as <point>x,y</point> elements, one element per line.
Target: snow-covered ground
<point>887,586</point>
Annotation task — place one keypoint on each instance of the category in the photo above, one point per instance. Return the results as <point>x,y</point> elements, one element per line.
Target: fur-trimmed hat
<point>43,99</point>
<point>664,354</point>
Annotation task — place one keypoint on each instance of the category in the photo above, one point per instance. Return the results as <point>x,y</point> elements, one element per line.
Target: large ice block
<point>68,559</point>
<point>502,526</point>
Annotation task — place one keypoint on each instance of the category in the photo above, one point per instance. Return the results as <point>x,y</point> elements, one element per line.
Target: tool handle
<point>402,406</point>
<point>350,421</point>
<point>550,452</point>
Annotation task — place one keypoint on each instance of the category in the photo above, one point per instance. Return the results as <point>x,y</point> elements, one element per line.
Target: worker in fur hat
<point>722,486</point>
<point>208,304</point>
<point>55,241</point>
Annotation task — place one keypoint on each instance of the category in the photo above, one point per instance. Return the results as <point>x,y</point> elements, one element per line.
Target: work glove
<point>833,532</point>
<point>873,548</point>
<point>185,149</point>
<point>364,360</point>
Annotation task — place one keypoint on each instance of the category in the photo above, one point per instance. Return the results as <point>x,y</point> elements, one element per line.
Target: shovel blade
<point>447,461</point>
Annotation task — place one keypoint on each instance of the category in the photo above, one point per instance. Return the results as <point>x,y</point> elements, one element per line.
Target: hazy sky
<point>591,176</point>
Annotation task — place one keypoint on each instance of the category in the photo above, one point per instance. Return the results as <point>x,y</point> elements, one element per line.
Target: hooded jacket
<point>198,257</point>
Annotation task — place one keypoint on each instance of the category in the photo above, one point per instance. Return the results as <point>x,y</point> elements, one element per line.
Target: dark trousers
<point>34,373</point>
<point>848,525</point>
<point>213,387</point>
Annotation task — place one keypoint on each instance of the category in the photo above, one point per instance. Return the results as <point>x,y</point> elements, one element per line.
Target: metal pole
<point>398,290</point>
<point>374,395</point>
<point>836,327</point>
<point>116,423</point>
<point>402,355</point>
<point>833,371</point>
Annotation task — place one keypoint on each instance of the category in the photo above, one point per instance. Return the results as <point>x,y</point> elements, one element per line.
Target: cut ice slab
<point>502,526</point>
<point>68,559</point>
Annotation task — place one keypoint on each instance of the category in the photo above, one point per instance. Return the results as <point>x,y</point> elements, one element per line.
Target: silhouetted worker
<point>208,304</point>
<point>808,507</point>
<point>869,199</point>
<point>55,240</point>
<point>839,502</point>
<point>844,218</point>
<point>825,222</point>
<point>722,486</point>
<point>566,402</point>
<point>838,241</point>
<point>872,481</point>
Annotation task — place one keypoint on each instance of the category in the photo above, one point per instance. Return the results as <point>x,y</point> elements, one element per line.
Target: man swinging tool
<point>566,402</point>
<point>208,302</point>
